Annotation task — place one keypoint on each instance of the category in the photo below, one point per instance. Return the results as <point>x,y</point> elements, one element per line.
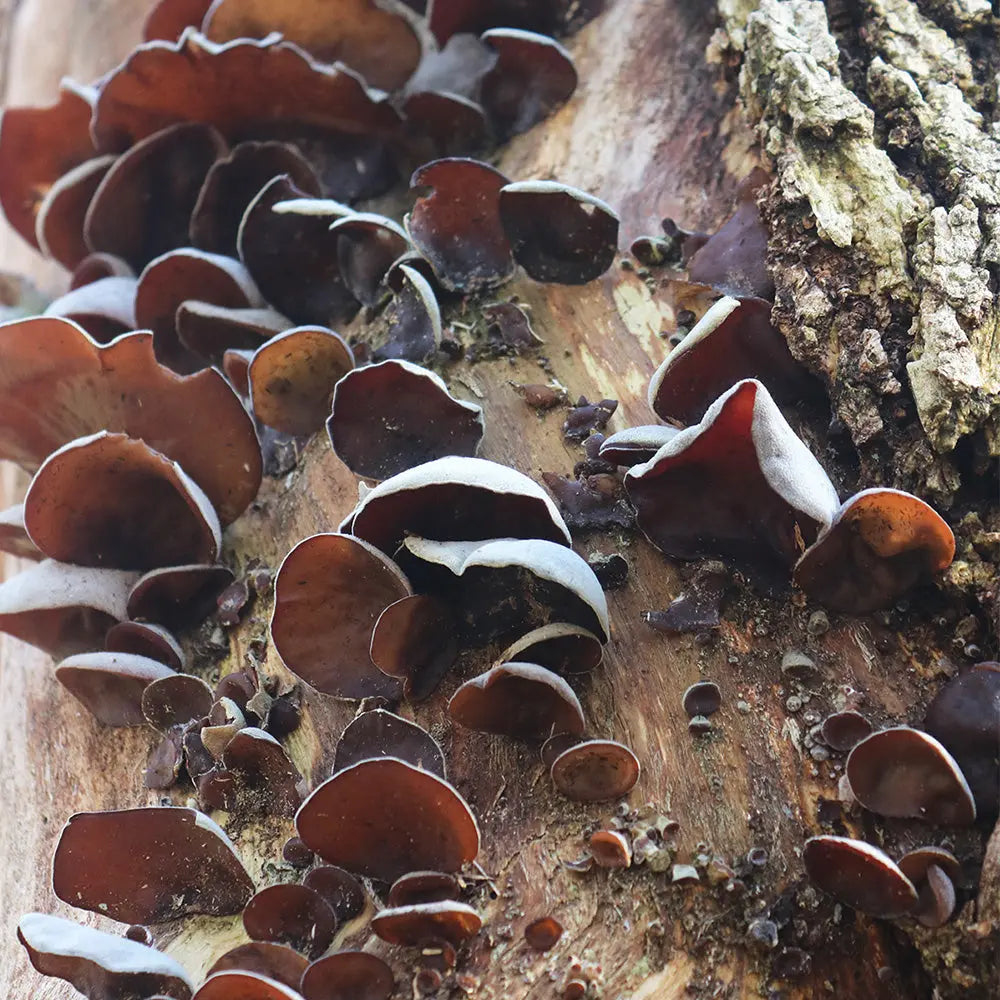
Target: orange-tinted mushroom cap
<point>348,975</point>
<point>275,961</point>
<point>414,925</point>
<point>59,224</point>
<point>110,685</point>
<point>880,543</point>
<point>595,771</point>
<point>239,985</point>
<point>291,914</point>
<point>383,818</point>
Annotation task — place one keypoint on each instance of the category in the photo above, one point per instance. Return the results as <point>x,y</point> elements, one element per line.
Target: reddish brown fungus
<point>275,961</point>
<point>422,887</point>
<point>342,891</point>
<point>379,733</point>
<point>178,596</point>
<point>145,639</point>
<point>558,646</point>
<point>610,849</point>
<point>104,308</point>
<point>413,925</point>
<point>59,225</point>
<point>843,730</point>
<point>595,771</point>
<point>367,248</point>
<point>348,975</point>
<point>239,985</point>
<point>110,685</point>
<point>543,933</point>
<point>293,915</point>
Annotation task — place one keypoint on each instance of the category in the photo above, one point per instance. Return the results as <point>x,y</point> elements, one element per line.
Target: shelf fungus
<point>595,771</point>
<point>418,923</point>
<point>110,685</point>
<point>291,914</point>
<point>104,308</point>
<point>392,416</point>
<point>346,975</point>
<point>558,646</point>
<point>368,245</point>
<point>345,895</point>
<point>379,733</point>
<point>177,596</point>
<point>414,318</point>
<point>265,958</point>
<point>167,862</point>
<point>238,985</point>
<point>422,887</point>
<point>146,639</point>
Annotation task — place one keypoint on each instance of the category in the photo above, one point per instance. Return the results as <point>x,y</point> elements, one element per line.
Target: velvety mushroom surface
<point>348,975</point>
<point>379,733</point>
<point>595,771</point>
<point>111,685</point>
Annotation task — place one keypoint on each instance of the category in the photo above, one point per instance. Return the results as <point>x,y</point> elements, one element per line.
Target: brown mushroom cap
<point>379,733</point>
<point>244,87</point>
<point>937,898</point>
<point>858,875</point>
<point>293,376</point>
<point>145,639</point>
<point>880,543</point>
<point>266,779</point>
<point>110,685</point>
<point>38,146</point>
<point>275,961</point>
<point>168,18</point>
<point>111,500</point>
<point>558,233</point>
<point>13,538</point>
<point>734,340</point>
<point>595,771</point>
<point>752,490</point>
<point>415,639</point>
<point>414,319</point>
<point>293,915</point>
<point>904,772</point>
<point>457,226</point>
<point>97,964</point>
<point>702,698</point>
<point>348,975</point>
<point>383,818</point>
<point>422,887</point>
<point>63,609</point>
<point>533,75</point>
<point>610,849</point>
<point>444,123</point>
<point>342,891</point>
<point>59,224</point>
<point>559,647</point>
<point>233,182</point>
<point>328,594</point>
<point>844,730</point>
<point>178,596</point>
<point>915,864</point>
<point>212,332</point>
<point>175,701</point>
<point>368,246</point>
<point>457,498</point>
<point>125,219</point>
<point>196,421</point>
<point>104,308</point>
<point>446,920</point>
<point>95,266</point>
<point>373,39</point>
<point>520,700</point>
<point>543,933</point>
<point>239,985</point>
<point>392,416</point>
<point>636,444</point>
<point>963,716</point>
<point>167,862</point>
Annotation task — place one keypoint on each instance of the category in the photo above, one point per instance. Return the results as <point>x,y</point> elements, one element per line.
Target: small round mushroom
<point>275,961</point>
<point>392,416</point>
<point>702,698</point>
<point>844,730</point>
<point>559,647</point>
<point>235,984</point>
<point>859,875</point>
<point>328,594</point>
<point>610,849</point>
<point>379,733</point>
<point>422,822</point>
<point>348,975</point>
<point>418,923</point>
<point>175,700</point>
<point>635,445</point>
<point>444,123</point>
<point>345,895</point>
<point>266,779</point>
<point>520,700</point>
<point>293,915</point>
<point>543,933</point>
<point>145,639</point>
<point>98,964</point>
<point>422,887</point>
<point>167,862</point>
<point>595,771</point>
<point>904,772</point>
<point>558,233</point>
<point>110,685</point>
<point>937,898</point>
<point>178,596</point>
<point>914,864</point>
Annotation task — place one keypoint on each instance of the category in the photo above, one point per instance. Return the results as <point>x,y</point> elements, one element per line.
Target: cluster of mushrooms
<point>201,193</point>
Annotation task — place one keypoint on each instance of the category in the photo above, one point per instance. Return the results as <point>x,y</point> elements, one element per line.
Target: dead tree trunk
<point>884,215</point>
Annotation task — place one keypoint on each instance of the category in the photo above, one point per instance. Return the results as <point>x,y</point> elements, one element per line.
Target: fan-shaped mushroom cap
<point>858,875</point>
<point>99,965</point>
<point>415,639</point>
<point>13,538</point>
<point>293,376</point>
<point>543,933</point>
<point>414,319</point>
<point>702,698</point>
<point>422,887</point>
<point>595,771</point>
<point>734,340</point>
<point>245,87</point>
<point>844,730</point>
<point>392,416</point>
<point>457,226</point>
<point>636,444</point>
<point>348,975</point>
<point>167,862</point>
<point>383,818</point>
<point>234,181</point>
<point>558,646</point>
<point>739,484</point>
<point>142,207</point>
<point>110,685</point>
<point>38,146</point>
<point>168,18</point>
<point>533,75</point>
<point>266,779</point>
<point>291,914</point>
<point>345,894</point>
<point>963,716</point>
<point>508,584</point>
<point>379,733</point>
<point>104,308</point>
<point>237,985</point>
<point>880,543</point>
<point>915,864</point>
<point>559,233</point>
<point>145,639</point>
<point>610,849</point>
<point>178,596</point>
<point>368,246</point>
<point>111,500</point>
<point>414,925</point>
<point>212,332</point>
<point>375,39</point>
<point>59,223</point>
<point>904,772</point>
<point>275,961</point>
<point>457,498</point>
<point>95,266</point>
<point>328,594</point>
<point>63,609</point>
<point>196,421</point>
<point>521,700</point>
<point>175,701</point>
<point>444,123</point>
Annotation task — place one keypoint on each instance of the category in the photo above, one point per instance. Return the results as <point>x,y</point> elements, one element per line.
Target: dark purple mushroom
<point>275,961</point>
<point>178,596</point>
<point>293,915</point>
<point>413,317</point>
<point>348,975</point>
<point>702,698</point>
<point>342,891</point>
<point>636,444</point>
<point>844,730</point>
<point>698,606</point>
<point>368,246</point>
<point>379,733</point>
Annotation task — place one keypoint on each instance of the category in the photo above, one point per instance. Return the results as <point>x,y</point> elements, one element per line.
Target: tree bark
<point>883,213</point>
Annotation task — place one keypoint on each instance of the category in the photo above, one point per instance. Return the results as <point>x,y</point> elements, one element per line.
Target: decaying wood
<point>870,259</point>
